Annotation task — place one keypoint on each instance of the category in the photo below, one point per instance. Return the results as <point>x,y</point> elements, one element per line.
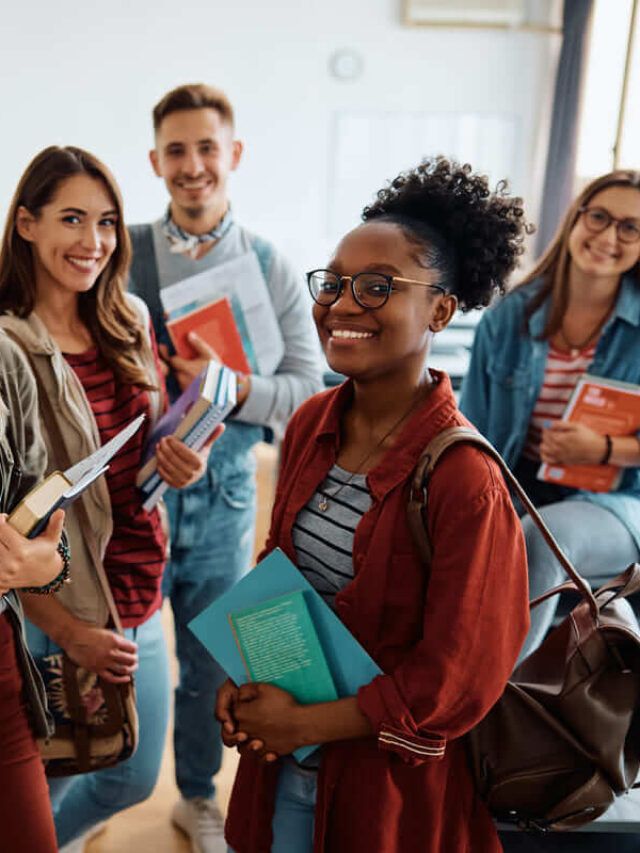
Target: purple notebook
<point>168,423</point>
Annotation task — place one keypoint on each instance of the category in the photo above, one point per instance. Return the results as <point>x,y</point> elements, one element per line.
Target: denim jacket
<point>507,371</point>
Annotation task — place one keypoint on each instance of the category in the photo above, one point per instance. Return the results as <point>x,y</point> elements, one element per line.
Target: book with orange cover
<point>608,407</point>
<point>216,325</point>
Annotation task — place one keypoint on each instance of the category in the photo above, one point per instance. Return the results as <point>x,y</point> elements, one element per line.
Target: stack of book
<point>192,418</point>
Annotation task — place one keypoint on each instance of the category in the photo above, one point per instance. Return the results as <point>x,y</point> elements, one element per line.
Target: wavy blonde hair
<point>104,309</point>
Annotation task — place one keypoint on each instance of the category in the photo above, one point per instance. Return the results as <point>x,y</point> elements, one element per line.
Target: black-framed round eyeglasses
<point>369,289</point>
<point>597,219</point>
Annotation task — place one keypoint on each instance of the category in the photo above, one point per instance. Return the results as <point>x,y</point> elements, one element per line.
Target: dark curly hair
<point>471,235</point>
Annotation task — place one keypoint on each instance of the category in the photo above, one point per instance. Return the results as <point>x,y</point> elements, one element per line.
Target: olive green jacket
<point>23,462</point>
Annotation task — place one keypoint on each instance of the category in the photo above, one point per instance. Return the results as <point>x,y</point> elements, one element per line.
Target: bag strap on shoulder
<point>49,417</point>
<point>418,501</point>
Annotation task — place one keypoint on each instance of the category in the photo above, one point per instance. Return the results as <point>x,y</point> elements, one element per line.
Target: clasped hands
<point>565,443</point>
<point>261,718</point>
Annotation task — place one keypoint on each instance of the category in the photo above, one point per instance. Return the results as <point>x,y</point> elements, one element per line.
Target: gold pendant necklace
<point>323,503</point>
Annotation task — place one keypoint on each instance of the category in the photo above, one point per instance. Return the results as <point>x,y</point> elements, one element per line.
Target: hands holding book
<point>180,466</point>
<point>29,562</point>
<point>570,443</point>
<point>267,720</point>
<point>186,369</point>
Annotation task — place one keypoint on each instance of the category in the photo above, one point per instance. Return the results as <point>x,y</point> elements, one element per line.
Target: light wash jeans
<point>212,533</point>
<point>595,541</point>
<point>294,814</point>
<point>80,802</point>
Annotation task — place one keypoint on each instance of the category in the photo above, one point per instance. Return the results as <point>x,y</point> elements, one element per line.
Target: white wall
<point>88,74</point>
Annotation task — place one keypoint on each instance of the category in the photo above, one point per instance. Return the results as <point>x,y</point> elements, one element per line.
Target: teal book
<point>279,645</point>
<point>349,664</point>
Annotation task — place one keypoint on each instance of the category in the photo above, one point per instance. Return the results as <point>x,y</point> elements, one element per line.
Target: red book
<point>216,325</point>
<point>608,407</point>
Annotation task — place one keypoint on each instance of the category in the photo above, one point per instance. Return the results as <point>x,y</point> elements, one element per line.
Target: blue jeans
<point>594,539</point>
<point>295,806</point>
<point>212,532</point>
<point>80,802</point>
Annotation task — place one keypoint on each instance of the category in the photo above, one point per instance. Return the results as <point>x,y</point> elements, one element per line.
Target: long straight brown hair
<point>113,324</point>
<point>553,266</point>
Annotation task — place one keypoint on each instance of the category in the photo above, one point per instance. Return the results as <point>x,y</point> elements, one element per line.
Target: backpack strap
<point>264,253</point>
<point>144,280</point>
<point>418,502</point>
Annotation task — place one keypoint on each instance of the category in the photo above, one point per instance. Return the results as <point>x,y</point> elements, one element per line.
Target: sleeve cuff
<point>257,406</point>
<point>394,726</point>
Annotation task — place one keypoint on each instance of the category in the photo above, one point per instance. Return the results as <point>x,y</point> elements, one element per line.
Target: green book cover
<point>279,644</point>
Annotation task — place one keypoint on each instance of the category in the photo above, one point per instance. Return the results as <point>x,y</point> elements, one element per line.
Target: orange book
<point>608,407</point>
<point>216,325</point>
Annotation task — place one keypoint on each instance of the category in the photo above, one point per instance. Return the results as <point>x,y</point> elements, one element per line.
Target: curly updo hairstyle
<point>471,235</point>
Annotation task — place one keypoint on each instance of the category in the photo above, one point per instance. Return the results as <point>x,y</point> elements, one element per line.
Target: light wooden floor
<point>147,827</point>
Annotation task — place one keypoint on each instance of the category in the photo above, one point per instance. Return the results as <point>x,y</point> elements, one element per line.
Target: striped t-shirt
<point>135,555</point>
<point>323,539</point>
<point>561,373</point>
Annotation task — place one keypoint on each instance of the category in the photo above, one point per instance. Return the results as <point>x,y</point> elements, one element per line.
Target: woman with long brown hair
<point>63,265</point>
<point>577,312</point>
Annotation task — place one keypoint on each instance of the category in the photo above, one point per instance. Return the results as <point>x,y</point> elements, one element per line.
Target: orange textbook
<point>216,325</point>
<point>608,407</point>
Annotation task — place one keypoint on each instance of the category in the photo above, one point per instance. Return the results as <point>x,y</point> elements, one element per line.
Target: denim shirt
<point>507,372</point>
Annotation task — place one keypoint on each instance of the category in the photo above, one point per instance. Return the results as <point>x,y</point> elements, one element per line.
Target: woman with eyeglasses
<point>391,774</point>
<point>577,312</point>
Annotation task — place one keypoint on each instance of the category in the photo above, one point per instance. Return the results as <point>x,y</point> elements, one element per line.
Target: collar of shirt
<point>437,411</point>
<point>627,308</point>
<point>181,242</point>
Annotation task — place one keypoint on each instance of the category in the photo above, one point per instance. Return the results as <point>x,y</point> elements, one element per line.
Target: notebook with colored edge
<point>608,407</point>
<point>349,664</point>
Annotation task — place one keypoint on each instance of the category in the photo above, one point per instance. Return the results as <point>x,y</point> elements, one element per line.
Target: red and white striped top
<point>561,373</point>
<point>135,555</point>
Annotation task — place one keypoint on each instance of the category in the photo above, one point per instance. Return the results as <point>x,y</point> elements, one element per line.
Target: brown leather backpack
<point>563,740</point>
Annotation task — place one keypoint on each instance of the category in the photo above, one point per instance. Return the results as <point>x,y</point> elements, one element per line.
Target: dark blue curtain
<point>563,139</point>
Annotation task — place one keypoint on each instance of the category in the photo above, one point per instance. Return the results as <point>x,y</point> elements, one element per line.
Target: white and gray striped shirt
<point>323,541</point>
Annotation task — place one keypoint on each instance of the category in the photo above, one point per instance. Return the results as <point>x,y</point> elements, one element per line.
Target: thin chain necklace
<point>323,503</point>
<point>578,346</point>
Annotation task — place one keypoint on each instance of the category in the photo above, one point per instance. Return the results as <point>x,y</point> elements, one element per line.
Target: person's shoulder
<point>140,229</point>
<point>466,475</point>
<point>14,368</point>
<point>138,306</point>
<point>141,237</point>
<point>10,353</point>
<point>306,418</point>
<point>273,261</point>
<point>515,301</point>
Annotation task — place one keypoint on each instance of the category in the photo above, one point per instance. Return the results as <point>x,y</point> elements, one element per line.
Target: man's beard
<point>194,212</point>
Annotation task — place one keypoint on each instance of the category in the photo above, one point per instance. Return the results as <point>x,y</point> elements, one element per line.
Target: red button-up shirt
<point>446,652</point>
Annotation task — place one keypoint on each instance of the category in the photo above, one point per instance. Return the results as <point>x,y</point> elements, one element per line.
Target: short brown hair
<point>193,96</point>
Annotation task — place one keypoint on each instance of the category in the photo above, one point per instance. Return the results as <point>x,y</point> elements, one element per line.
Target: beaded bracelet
<point>62,578</point>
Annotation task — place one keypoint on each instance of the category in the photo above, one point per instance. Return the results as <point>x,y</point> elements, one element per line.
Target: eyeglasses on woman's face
<point>597,219</point>
<point>369,289</point>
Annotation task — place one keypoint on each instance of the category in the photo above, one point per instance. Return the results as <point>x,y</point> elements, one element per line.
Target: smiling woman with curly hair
<point>391,774</point>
